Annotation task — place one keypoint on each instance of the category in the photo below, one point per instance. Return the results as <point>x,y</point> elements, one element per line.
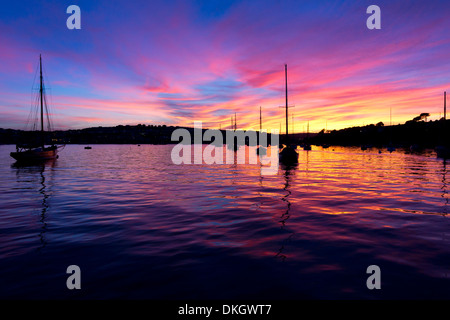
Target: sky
<point>176,62</point>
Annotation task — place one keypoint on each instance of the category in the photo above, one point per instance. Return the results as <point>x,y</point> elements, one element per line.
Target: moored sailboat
<point>390,146</point>
<point>261,150</point>
<point>33,151</point>
<point>287,155</point>
<point>307,146</point>
<point>443,149</point>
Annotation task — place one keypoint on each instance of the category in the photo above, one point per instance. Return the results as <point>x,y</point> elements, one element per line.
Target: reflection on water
<point>444,194</point>
<point>31,177</point>
<point>142,227</point>
<point>288,170</point>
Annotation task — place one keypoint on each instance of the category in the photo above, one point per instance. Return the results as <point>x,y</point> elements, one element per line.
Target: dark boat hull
<point>288,155</point>
<point>35,155</point>
<point>443,152</point>
<point>262,151</point>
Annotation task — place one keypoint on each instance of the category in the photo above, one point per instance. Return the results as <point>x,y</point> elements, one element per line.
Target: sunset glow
<point>176,62</point>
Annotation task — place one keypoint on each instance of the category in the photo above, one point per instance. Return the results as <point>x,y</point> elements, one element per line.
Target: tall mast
<point>445,105</point>
<point>285,75</point>
<point>235,125</point>
<point>260,119</point>
<point>42,100</point>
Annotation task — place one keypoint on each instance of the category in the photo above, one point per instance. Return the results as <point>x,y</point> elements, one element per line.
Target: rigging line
<point>34,111</point>
<point>33,114</point>
<point>45,88</point>
<point>47,110</point>
<point>32,97</point>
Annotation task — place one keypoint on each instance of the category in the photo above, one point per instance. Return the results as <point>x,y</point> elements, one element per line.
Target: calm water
<point>141,227</point>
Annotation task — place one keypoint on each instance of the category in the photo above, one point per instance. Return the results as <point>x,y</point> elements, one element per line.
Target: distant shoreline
<point>424,134</point>
<point>419,134</point>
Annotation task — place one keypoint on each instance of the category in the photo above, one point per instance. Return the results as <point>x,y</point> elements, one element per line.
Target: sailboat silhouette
<point>287,155</point>
<point>261,150</point>
<point>34,151</point>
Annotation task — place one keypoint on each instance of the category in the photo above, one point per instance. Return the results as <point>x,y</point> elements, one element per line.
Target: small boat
<point>233,146</point>
<point>442,152</point>
<point>261,150</point>
<point>390,148</point>
<point>88,148</point>
<point>26,154</point>
<point>307,146</point>
<point>415,148</point>
<point>36,150</point>
<point>443,149</point>
<point>287,155</point>
<point>230,144</point>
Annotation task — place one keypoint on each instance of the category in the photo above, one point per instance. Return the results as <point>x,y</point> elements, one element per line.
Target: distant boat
<point>287,155</point>
<point>261,150</point>
<point>443,149</point>
<point>443,152</point>
<point>307,146</point>
<point>32,151</point>
<point>88,147</point>
<point>415,148</point>
<point>233,146</point>
<point>391,148</point>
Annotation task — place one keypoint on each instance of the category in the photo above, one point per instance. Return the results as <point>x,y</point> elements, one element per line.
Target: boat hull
<point>34,155</point>
<point>262,151</point>
<point>443,152</point>
<point>288,156</point>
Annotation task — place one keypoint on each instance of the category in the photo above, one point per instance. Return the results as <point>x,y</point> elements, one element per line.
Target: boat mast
<point>260,119</point>
<point>308,129</point>
<point>235,125</point>
<point>42,101</point>
<point>445,105</point>
<point>285,75</point>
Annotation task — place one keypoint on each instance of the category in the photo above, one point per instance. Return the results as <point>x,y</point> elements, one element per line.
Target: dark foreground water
<point>140,227</point>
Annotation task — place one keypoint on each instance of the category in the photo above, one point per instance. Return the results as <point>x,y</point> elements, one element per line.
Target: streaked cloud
<point>176,62</point>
